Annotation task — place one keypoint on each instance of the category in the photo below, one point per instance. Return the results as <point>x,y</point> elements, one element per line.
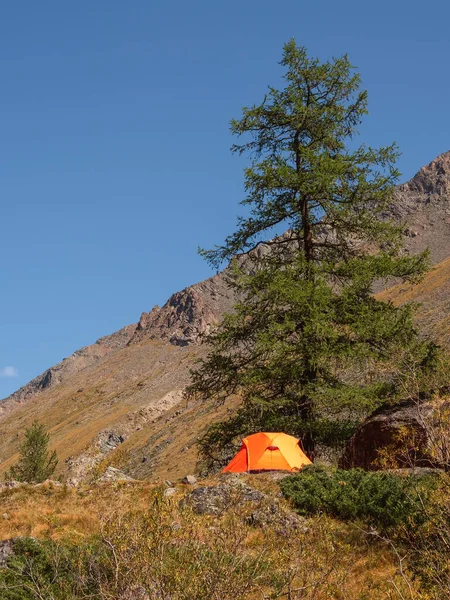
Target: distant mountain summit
<point>433,180</point>
<point>128,386</point>
<point>69,366</point>
<point>187,314</point>
<point>423,204</point>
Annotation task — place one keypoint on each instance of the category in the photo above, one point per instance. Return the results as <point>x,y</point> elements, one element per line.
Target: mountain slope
<point>109,402</point>
<point>423,205</point>
<point>433,296</point>
<point>78,361</point>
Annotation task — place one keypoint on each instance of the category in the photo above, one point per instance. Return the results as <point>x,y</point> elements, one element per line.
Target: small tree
<point>37,463</point>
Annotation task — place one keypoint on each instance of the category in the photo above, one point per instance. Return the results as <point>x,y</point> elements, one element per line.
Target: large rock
<point>216,499</point>
<point>402,430</point>
<point>10,485</point>
<point>109,440</point>
<point>189,480</point>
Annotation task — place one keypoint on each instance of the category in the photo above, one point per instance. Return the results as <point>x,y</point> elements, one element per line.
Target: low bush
<point>379,498</point>
<point>40,569</point>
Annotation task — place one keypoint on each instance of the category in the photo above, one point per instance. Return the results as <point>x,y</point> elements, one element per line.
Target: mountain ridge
<point>191,311</point>
<point>118,384</point>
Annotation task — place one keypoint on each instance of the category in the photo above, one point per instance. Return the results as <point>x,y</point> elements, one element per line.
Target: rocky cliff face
<point>423,205</point>
<point>432,182</point>
<point>187,314</point>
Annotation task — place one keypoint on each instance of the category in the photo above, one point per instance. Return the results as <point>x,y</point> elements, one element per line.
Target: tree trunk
<point>306,240</point>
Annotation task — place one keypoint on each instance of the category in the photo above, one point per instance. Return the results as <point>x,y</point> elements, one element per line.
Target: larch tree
<point>36,463</point>
<point>307,336</point>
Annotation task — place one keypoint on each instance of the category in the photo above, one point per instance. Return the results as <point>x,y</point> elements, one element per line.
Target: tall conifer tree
<point>307,333</point>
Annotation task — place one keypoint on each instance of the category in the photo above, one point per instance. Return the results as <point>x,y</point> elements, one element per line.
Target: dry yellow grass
<point>56,512</point>
<point>329,559</point>
<point>432,295</point>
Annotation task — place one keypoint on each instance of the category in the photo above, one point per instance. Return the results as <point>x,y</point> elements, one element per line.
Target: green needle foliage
<point>36,463</point>
<point>307,334</point>
<point>379,498</point>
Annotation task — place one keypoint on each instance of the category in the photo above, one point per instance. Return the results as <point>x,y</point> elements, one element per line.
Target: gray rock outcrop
<point>113,474</point>
<point>216,499</point>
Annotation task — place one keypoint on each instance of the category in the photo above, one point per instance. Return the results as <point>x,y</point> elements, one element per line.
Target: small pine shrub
<point>379,498</point>
<point>36,463</point>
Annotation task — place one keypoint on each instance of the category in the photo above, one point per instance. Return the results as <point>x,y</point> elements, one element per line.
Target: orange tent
<point>268,451</point>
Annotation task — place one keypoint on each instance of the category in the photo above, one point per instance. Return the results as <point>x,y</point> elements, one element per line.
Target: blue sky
<point>114,142</point>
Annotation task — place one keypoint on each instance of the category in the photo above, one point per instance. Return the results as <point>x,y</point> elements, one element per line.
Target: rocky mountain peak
<point>187,314</point>
<point>422,206</point>
<point>432,179</point>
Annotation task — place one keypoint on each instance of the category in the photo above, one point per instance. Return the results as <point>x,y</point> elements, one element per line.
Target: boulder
<point>383,430</point>
<point>189,479</point>
<point>50,483</point>
<point>278,518</point>
<point>109,440</point>
<point>215,499</point>
<point>10,485</point>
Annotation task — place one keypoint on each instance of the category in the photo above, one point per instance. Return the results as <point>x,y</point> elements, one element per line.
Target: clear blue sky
<point>114,142</point>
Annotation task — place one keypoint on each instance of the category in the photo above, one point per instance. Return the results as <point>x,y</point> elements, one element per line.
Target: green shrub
<point>428,545</point>
<point>40,569</point>
<point>36,463</point>
<point>379,498</point>
<point>31,572</point>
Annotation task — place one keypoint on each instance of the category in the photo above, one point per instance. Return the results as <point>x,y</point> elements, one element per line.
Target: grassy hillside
<point>129,537</point>
<point>126,393</point>
<point>433,295</point>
